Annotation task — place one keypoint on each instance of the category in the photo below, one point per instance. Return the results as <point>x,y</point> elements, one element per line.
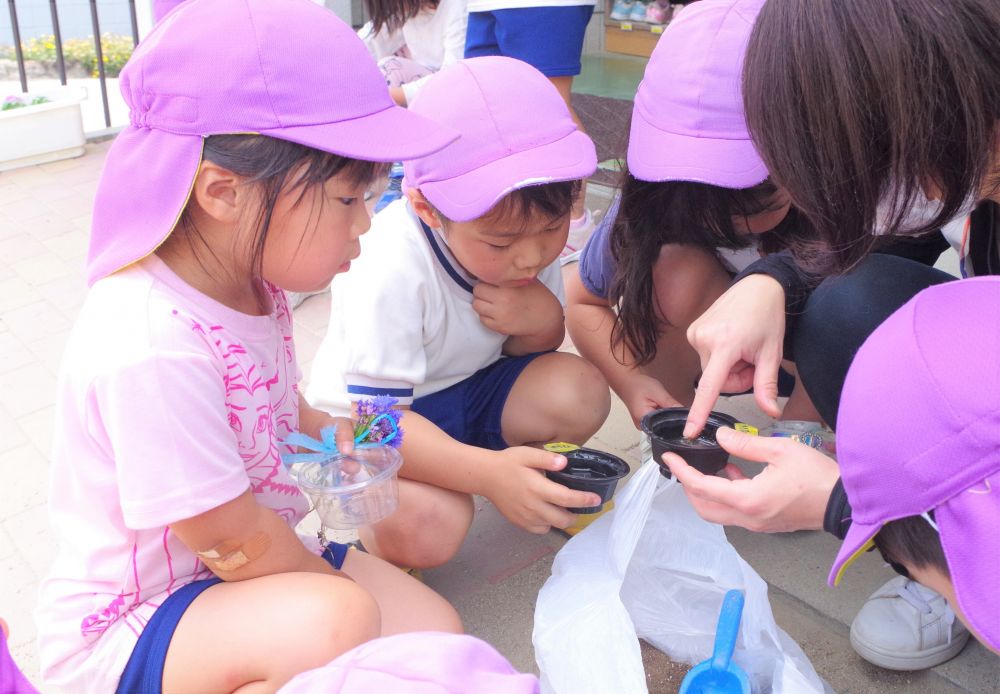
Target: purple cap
<point>290,70</point>
<point>919,429</point>
<point>417,663</point>
<point>688,122</point>
<point>516,132</point>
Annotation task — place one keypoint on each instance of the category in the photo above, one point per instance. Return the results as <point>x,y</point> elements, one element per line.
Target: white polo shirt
<point>401,321</point>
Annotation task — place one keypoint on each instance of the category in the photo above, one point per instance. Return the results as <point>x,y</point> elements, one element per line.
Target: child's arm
<point>511,479</point>
<point>241,539</point>
<point>531,316</point>
<point>590,321</point>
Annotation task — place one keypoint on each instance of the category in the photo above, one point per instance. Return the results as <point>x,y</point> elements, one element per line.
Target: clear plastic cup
<point>352,491</point>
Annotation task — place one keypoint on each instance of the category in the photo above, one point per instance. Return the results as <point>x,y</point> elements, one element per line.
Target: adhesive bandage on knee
<point>231,555</point>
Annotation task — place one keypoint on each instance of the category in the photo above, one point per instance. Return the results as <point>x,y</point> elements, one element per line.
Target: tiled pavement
<point>44,220</point>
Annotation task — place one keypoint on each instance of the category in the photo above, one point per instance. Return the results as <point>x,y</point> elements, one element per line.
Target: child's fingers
<point>710,385</point>
<point>760,449</point>
<point>344,435</point>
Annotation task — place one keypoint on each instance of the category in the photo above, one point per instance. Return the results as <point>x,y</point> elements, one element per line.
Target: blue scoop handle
<point>728,629</point>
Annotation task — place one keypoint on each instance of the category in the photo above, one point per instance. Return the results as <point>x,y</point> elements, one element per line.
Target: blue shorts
<point>548,38</point>
<point>143,673</point>
<point>471,410</point>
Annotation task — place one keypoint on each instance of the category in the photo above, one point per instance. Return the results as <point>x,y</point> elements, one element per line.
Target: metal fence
<point>60,56</point>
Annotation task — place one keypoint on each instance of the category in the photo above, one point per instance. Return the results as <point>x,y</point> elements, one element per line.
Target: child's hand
<point>528,499</point>
<point>527,310</point>
<point>643,394</point>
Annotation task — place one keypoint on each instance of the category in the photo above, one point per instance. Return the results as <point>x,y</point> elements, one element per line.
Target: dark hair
<point>652,214</point>
<point>911,540</point>
<point>856,102</point>
<point>392,14</point>
<point>549,200</point>
<point>270,164</point>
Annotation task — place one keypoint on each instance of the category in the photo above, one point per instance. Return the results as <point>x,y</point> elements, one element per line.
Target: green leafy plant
<point>77,53</point>
<point>13,102</point>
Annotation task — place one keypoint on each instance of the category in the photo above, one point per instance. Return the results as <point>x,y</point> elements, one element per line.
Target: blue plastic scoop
<point>720,675</point>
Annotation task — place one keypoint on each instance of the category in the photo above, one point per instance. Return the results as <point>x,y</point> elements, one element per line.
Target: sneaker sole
<point>908,663</point>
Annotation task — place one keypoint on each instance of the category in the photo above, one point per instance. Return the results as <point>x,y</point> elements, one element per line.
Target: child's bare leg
<point>405,603</point>
<point>799,406</point>
<point>253,636</point>
<point>686,280</point>
<point>558,397</point>
<point>425,531</point>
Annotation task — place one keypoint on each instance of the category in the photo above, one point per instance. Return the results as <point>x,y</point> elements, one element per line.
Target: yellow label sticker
<point>626,26</point>
<point>746,428</point>
<point>561,447</point>
<point>656,29</point>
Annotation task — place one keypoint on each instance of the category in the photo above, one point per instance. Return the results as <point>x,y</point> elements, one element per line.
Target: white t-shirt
<point>490,5</point>
<point>169,405</point>
<point>401,321</point>
<point>434,38</point>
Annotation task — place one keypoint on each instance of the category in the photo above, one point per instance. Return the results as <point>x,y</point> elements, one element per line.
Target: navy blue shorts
<point>143,673</point>
<point>548,38</point>
<point>471,410</point>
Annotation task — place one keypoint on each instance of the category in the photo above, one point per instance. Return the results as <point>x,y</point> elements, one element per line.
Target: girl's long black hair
<point>392,14</point>
<point>652,214</point>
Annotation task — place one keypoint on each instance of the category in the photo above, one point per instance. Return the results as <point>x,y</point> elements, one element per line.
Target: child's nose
<point>362,221</point>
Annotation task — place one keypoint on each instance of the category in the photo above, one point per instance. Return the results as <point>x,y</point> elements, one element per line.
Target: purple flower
<point>373,427</point>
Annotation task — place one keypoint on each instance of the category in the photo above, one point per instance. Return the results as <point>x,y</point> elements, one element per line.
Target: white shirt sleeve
<point>382,44</point>
<point>380,311</point>
<point>455,16</point>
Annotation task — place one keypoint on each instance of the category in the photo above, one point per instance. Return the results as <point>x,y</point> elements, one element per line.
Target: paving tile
<point>10,192</point>
<point>25,472</point>
<point>65,293</point>
<point>26,657</point>
<point>20,211</point>
<point>69,246</point>
<point>13,353</point>
<point>17,605</point>
<point>15,293</point>
<point>44,267</point>
<point>45,224</point>
<point>314,313</point>
<point>38,427</point>
<point>18,247</point>
<point>28,390</point>
<point>37,321</point>
<point>11,434</point>
<point>33,537</point>
<point>6,544</point>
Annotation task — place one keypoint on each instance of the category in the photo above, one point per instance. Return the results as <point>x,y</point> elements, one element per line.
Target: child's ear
<point>423,208</point>
<point>219,192</point>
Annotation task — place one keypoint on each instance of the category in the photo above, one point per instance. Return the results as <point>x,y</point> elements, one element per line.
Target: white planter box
<point>45,132</point>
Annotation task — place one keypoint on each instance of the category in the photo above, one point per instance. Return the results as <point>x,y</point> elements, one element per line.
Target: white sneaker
<point>906,626</point>
<point>579,232</point>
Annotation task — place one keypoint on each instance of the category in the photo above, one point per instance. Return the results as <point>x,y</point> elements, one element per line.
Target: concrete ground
<point>44,221</point>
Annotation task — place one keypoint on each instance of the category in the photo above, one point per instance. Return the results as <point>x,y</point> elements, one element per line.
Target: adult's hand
<point>739,340</point>
<point>791,493</point>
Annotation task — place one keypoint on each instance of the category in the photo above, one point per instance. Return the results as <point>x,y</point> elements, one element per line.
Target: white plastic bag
<point>655,570</point>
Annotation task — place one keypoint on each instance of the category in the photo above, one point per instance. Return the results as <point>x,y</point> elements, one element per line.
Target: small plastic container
<point>352,491</point>
<point>590,470</point>
<point>665,429</point>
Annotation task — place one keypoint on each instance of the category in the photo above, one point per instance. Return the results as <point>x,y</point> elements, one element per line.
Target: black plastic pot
<point>665,429</point>
<point>590,470</point>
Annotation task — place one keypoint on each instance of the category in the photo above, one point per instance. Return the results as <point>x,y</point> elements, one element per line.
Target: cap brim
<point>148,175</point>
<point>968,523</point>
<point>658,155</point>
<point>144,186</point>
<point>858,541</point>
<point>393,134</point>
<point>472,194</point>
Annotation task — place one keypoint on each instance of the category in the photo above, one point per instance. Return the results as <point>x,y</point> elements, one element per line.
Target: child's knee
<point>432,532</point>
<point>583,393</point>
<point>340,616</point>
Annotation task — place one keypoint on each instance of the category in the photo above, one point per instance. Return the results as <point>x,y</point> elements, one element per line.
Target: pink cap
<point>687,121</point>
<point>919,429</point>
<point>417,663</point>
<point>290,70</point>
<point>516,132</point>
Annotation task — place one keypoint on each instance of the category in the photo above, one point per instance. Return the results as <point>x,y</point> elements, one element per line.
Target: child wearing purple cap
<point>242,173</point>
<point>696,207</point>
<point>457,311</point>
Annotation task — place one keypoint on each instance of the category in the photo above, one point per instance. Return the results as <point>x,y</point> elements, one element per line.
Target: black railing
<point>60,56</point>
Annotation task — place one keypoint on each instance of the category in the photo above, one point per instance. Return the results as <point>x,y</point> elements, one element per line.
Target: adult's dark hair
<point>392,14</point>
<point>273,166</point>
<point>856,102</point>
<point>652,214</point>
<point>912,541</point>
<point>550,201</point>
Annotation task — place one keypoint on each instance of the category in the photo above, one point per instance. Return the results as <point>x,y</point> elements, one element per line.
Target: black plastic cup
<point>590,470</point>
<point>665,429</point>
